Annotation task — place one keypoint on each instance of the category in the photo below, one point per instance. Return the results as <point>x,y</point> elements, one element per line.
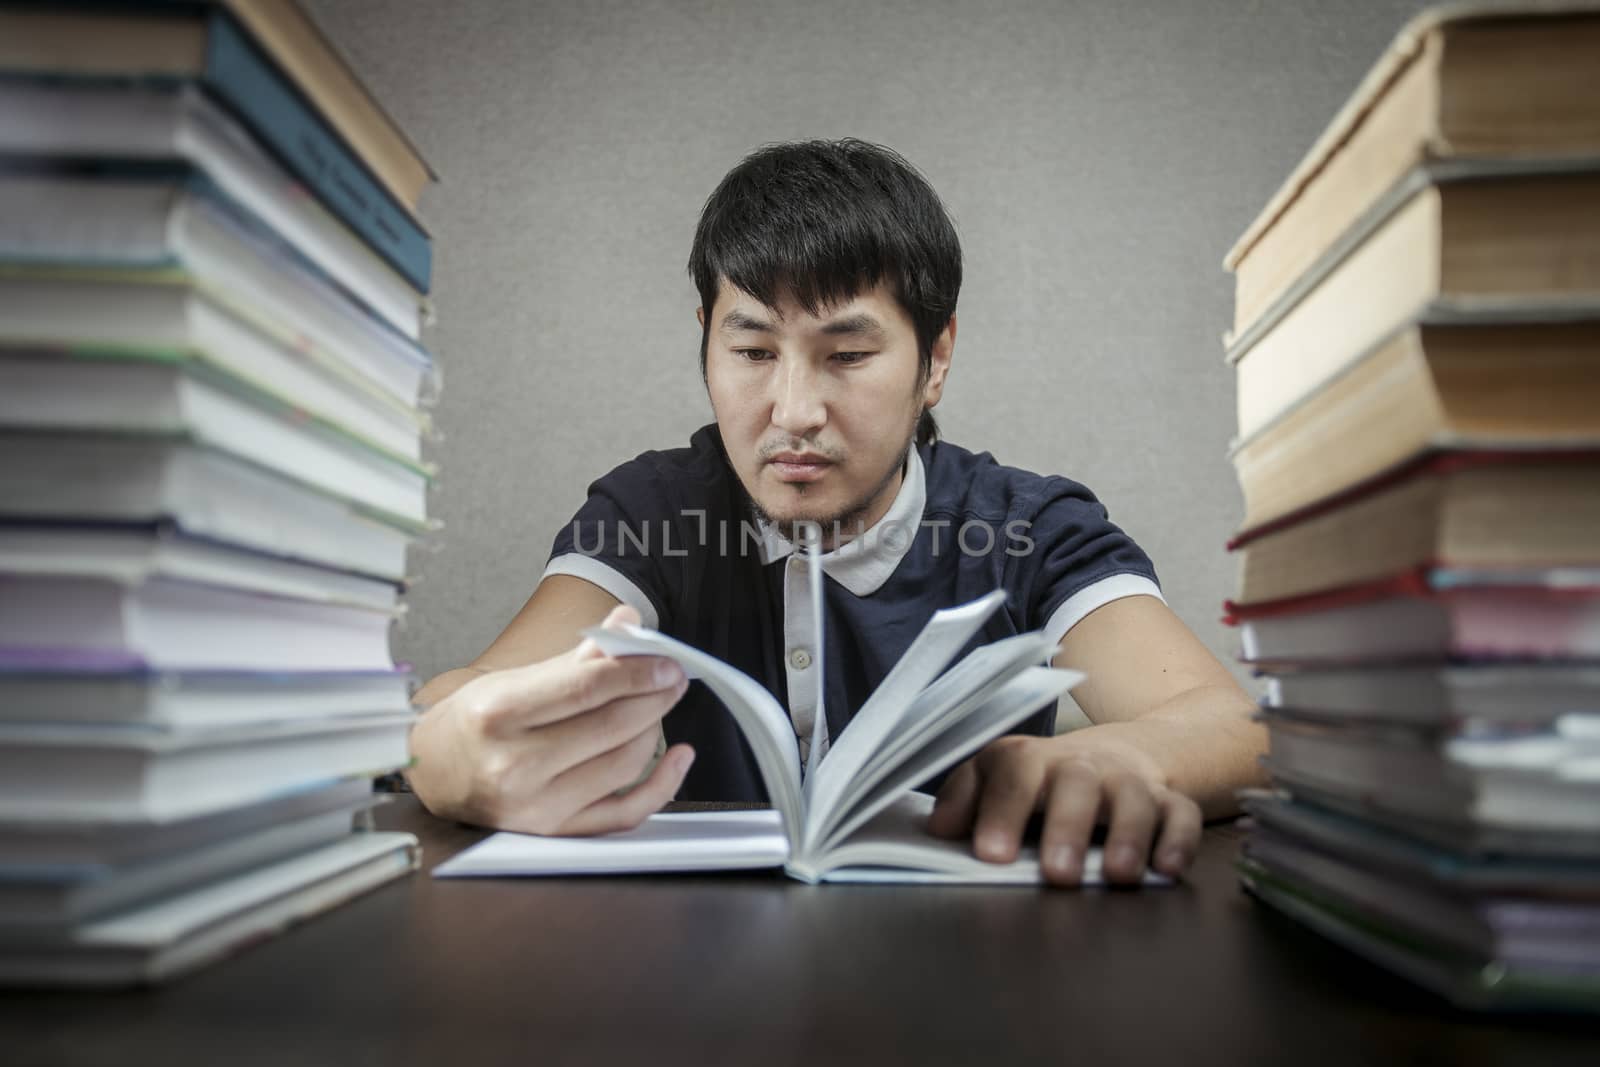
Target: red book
<point>1429,614</point>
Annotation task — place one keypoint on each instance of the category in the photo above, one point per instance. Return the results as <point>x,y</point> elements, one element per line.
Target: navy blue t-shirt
<point>673,534</point>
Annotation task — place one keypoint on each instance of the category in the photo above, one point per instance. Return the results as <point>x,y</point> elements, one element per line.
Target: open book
<point>849,814</point>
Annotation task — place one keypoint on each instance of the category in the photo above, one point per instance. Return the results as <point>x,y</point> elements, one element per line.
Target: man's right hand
<point>544,749</point>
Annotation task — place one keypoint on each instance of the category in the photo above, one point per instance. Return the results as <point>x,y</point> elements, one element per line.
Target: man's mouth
<point>799,466</point>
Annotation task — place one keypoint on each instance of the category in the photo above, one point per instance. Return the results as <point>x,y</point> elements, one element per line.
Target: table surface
<point>754,968</point>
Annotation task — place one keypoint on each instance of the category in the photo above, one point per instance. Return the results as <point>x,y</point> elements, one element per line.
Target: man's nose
<point>799,407</point>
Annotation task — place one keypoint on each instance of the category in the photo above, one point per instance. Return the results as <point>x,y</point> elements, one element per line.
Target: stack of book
<point>1417,345</point>
<point>212,399</point>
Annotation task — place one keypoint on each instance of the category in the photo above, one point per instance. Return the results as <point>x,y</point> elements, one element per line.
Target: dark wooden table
<point>756,969</point>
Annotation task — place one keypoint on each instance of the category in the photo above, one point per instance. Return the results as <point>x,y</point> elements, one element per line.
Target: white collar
<point>863,564</point>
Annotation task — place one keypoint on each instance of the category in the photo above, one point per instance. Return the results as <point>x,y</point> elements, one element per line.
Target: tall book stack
<point>1417,347</point>
<point>212,399</point>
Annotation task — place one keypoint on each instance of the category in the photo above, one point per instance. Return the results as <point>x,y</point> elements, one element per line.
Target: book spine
<point>243,79</point>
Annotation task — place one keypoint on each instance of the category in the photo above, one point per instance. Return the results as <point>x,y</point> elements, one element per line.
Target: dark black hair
<point>822,221</point>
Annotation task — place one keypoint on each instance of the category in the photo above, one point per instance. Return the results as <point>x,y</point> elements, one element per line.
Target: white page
<point>946,702</point>
<point>164,921</point>
<point>1003,708</point>
<point>1582,725</point>
<point>941,638</point>
<point>958,692</point>
<point>763,722</point>
<point>679,841</point>
<point>895,847</point>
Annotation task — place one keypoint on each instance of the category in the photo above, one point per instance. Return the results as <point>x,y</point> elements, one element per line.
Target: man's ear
<point>944,348</point>
<point>700,316</point>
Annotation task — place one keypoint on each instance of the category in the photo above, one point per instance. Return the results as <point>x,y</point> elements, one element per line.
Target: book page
<point>763,722</point>
<point>677,841</point>
<point>956,694</point>
<point>1004,706</point>
<point>890,703</point>
<point>895,847</point>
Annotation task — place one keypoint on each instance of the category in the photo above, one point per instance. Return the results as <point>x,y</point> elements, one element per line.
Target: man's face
<point>817,411</point>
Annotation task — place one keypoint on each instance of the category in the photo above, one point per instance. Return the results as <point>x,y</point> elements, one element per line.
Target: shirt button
<point>799,659</point>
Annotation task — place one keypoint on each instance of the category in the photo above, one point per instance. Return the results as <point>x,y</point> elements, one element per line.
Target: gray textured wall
<point>1098,158</point>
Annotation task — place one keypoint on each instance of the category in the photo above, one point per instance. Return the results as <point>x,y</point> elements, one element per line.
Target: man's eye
<point>851,357</point>
<point>753,355</point>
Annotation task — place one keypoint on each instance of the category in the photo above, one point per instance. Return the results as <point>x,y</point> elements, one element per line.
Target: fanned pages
<point>762,721</point>
<point>941,639</point>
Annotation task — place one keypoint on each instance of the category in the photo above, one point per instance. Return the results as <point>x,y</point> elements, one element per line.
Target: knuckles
<point>504,785</point>
<point>488,800</point>
<point>631,758</point>
<point>1011,759</point>
<point>1011,746</point>
<point>482,713</point>
<point>1079,765</point>
<point>583,684</point>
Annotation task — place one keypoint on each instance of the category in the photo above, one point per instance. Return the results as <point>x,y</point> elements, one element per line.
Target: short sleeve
<point>1079,559</point>
<point>621,541</point>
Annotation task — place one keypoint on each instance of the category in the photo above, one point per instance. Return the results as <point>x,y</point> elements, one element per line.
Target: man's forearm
<point>1203,743</point>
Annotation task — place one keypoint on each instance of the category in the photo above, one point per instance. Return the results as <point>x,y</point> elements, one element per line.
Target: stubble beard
<point>848,522</point>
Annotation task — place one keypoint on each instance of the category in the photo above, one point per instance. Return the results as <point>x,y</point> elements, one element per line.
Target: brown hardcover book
<point>1524,512</point>
<point>1512,84</point>
<point>1427,388</point>
<point>97,42</point>
<point>1482,250</point>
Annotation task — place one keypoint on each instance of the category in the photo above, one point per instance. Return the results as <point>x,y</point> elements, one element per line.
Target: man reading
<point>828,274</point>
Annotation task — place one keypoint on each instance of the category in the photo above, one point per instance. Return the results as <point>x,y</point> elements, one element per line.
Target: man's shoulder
<point>971,484</point>
<point>687,473</point>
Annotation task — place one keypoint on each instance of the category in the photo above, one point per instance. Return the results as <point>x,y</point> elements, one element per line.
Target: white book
<point>63,772</point>
<point>196,698</point>
<point>165,227</point>
<point>852,814</point>
<point>205,492</point>
<point>159,400</point>
<point>162,940</point>
<point>170,322</point>
<point>33,900</point>
<point>88,849</point>
<point>51,120</point>
<point>131,556</point>
<point>709,840</point>
<point>1488,694</point>
<point>167,624</point>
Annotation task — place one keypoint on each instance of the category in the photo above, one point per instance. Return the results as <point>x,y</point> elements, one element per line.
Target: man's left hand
<point>1077,781</point>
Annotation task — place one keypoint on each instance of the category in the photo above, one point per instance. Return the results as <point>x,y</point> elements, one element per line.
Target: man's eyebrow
<point>739,321</point>
<point>858,325</point>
